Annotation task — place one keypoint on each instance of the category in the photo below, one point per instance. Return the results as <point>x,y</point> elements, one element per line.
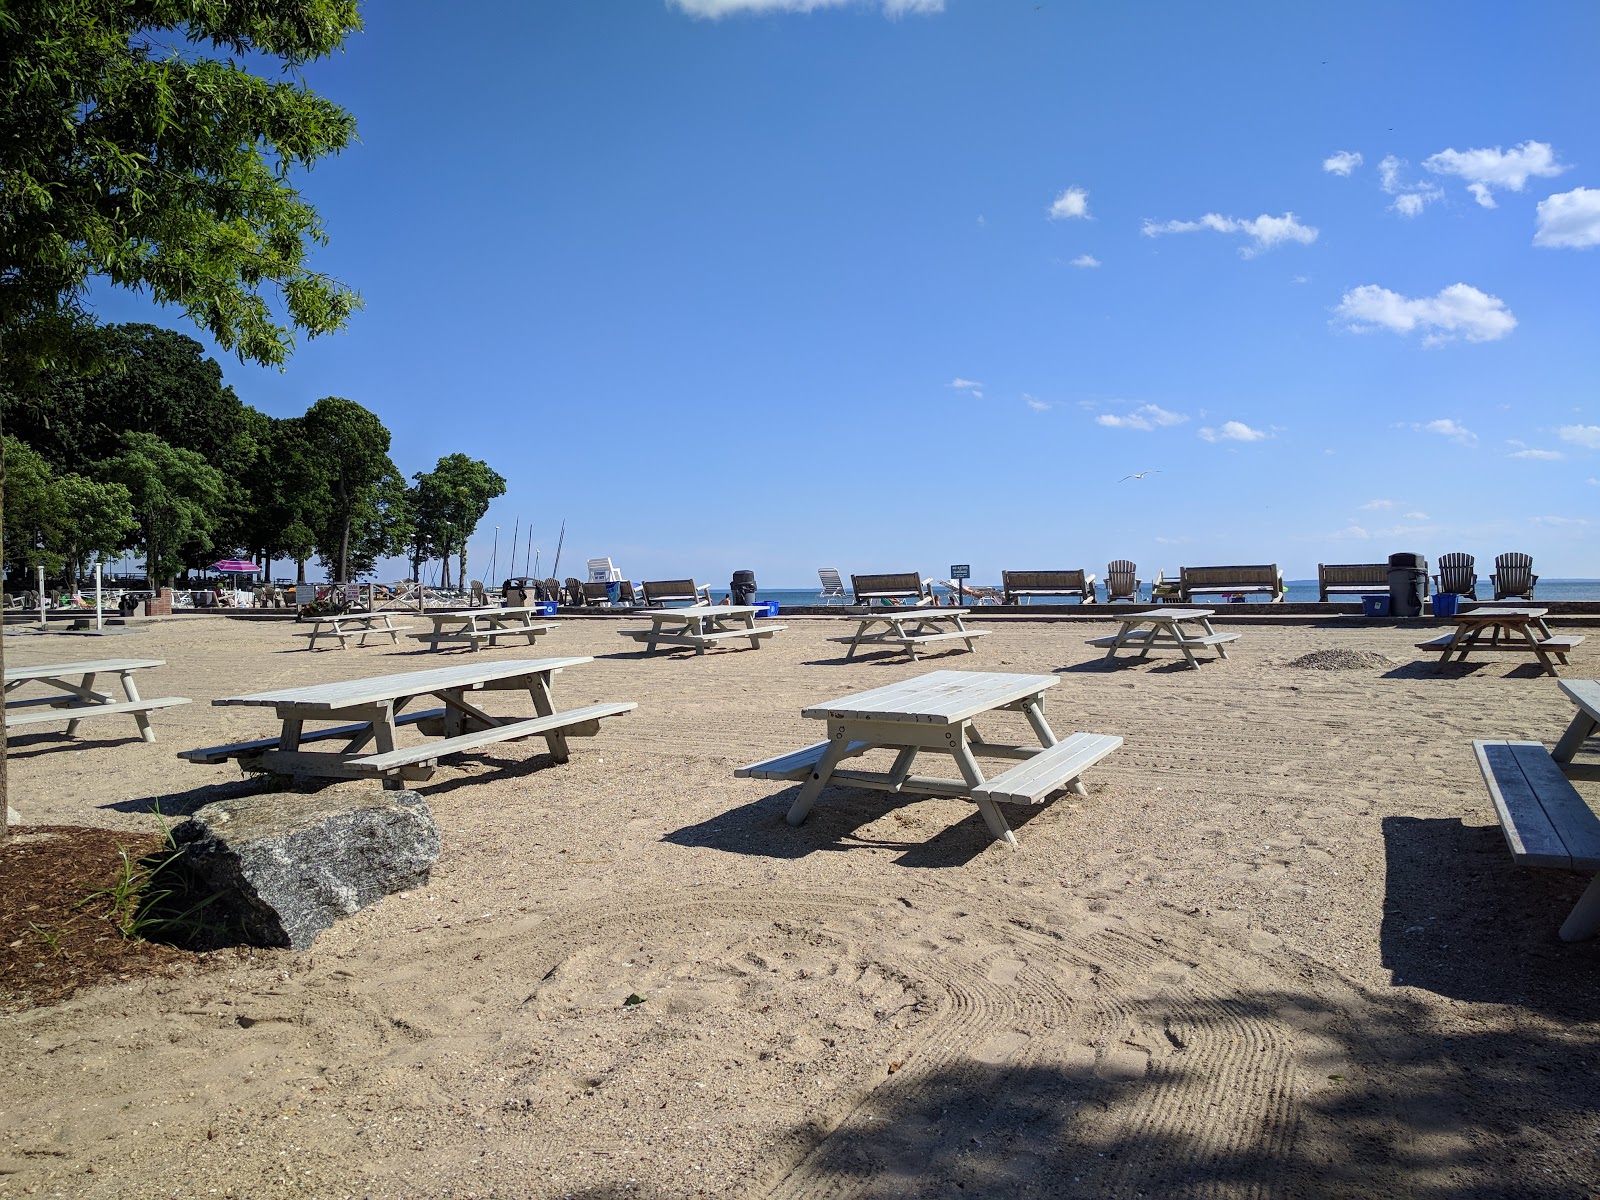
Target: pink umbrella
<point>235,566</point>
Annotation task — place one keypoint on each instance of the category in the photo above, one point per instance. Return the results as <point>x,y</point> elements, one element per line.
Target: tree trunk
<point>299,570</point>
<point>462,573</point>
<point>344,536</point>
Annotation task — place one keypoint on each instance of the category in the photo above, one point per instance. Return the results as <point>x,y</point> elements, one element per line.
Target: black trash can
<point>1408,584</point>
<point>743,587</point>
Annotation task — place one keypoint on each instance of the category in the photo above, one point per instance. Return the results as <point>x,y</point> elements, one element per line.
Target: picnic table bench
<point>345,626</point>
<point>1545,821</point>
<point>936,712</point>
<point>76,698</point>
<point>1523,629</point>
<point>373,712</point>
<point>701,626</point>
<point>1167,631</point>
<point>910,629</point>
<point>475,626</point>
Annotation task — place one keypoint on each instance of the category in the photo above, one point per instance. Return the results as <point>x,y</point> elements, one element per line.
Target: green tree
<point>453,498</point>
<point>129,158</point>
<point>177,497</point>
<point>97,519</point>
<point>349,450</point>
<point>33,508</point>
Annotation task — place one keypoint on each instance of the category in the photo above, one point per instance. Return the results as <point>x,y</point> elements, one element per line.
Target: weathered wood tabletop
<point>1167,629</point>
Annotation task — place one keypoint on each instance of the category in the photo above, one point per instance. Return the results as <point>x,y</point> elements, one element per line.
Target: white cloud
<point>1593,482</point>
<point>1458,310</point>
<point>965,385</point>
<point>1485,169</point>
<point>1342,163</point>
<point>1587,436</point>
<point>1086,260</point>
<point>1561,522</point>
<point>1074,202</point>
<point>1410,198</point>
<point>1300,279</point>
<point>1264,231</point>
<point>1569,219</point>
<point>717,9</point>
<point>1035,403</point>
<point>1377,505</point>
<point>1418,516</point>
<point>1540,455</point>
<point>1146,417</point>
<point>1233,431</point>
<point>1445,427</point>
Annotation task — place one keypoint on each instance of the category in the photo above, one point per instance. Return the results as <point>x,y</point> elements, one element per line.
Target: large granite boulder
<point>283,867</point>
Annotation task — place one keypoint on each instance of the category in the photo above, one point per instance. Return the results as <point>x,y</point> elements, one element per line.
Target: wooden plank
<point>940,697</point>
<point>97,666</point>
<point>510,731</point>
<point>219,754</point>
<point>1049,769</point>
<point>796,764</point>
<point>379,688</point>
<point>912,639</point>
<point>1555,645</point>
<point>1574,821</point>
<point>82,712</point>
<point>1530,833</point>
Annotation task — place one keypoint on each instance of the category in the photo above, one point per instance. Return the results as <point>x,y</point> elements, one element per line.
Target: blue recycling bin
<point>1446,604</point>
<point>1375,606</point>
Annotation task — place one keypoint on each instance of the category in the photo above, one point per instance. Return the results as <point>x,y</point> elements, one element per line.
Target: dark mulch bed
<point>53,938</point>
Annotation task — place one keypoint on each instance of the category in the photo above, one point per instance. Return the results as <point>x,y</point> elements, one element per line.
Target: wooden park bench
<point>674,591</point>
<point>1018,585</point>
<point>1236,580</point>
<point>1357,579</point>
<point>906,587</point>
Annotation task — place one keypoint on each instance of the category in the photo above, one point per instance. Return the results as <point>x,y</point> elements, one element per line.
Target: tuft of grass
<point>143,896</point>
<point>50,937</point>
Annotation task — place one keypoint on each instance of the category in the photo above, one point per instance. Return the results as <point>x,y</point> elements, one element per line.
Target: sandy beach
<point>1279,948</point>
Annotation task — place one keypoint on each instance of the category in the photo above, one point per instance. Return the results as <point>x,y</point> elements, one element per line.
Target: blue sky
<point>889,286</point>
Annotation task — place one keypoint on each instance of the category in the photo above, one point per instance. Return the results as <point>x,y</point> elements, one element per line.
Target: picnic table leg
<point>1540,653</point>
<point>1034,711</point>
<point>973,774</point>
<point>1183,644</point>
<point>1584,920</point>
<point>1123,635</point>
<point>142,719</point>
<point>1581,729</point>
<point>1149,641</point>
<point>902,766</point>
<point>1450,647</point>
<point>88,686</point>
<point>856,641</point>
<point>961,625</point>
<point>544,705</point>
<point>289,739</point>
<point>749,620</point>
<point>818,779</point>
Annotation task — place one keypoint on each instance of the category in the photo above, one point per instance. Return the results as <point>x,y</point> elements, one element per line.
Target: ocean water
<point>1301,591</point>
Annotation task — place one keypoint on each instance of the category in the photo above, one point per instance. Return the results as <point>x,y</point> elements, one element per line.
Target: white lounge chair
<point>832,586</point>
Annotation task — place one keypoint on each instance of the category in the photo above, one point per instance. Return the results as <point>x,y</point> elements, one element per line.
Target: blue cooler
<point>770,605</point>
<point>1446,604</point>
<point>1375,606</point>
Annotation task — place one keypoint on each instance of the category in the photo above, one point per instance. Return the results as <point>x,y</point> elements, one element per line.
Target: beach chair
<point>1165,591</point>
<point>972,593</point>
<point>574,589</point>
<point>1456,575</point>
<point>906,588</point>
<point>1513,576</point>
<point>1019,585</point>
<point>832,586</point>
<point>479,596</point>
<point>550,589</point>
<point>1122,581</point>
<point>659,592</point>
<point>601,570</point>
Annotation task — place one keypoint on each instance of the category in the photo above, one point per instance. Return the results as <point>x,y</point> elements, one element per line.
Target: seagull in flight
<point>1139,475</point>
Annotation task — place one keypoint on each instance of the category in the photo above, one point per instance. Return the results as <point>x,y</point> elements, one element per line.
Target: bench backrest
<point>1456,573</point>
<point>670,591</point>
<point>595,593</point>
<point>1122,579</point>
<point>1260,575</point>
<point>1352,574</point>
<point>832,585</point>
<point>907,585</point>
<point>1050,582</point>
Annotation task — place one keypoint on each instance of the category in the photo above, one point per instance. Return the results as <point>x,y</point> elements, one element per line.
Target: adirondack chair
<point>479,597</point>
<point>1513,576</point>
<point>832,586</point>
<point>1122,581</point>
<point>575,596</point>
<point>550,589</point>
<point>1165,591</point>
<point>1456,575</point>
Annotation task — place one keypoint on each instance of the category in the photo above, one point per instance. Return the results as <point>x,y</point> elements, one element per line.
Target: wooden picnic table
<point>75,695</point>
<point>701,626</point>
<point>1523,631</point>
<point>345,626</point>
<point>936,712</point>
<point>475,626</point>
<point>910,628</point>
<point>1186,629</point>
<point>376,706</point>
